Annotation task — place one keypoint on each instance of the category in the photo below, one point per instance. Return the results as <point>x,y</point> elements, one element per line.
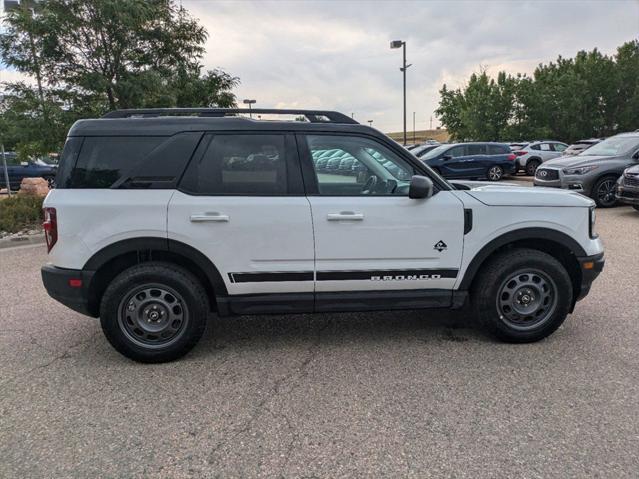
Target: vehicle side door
<point>241,203</point>
<point>369,235</point>
<point>452,162</point>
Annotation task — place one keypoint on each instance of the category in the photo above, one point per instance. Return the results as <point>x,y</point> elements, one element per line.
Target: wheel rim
<point>606,192</point>
<point>494,173</point>
<point>526,300</point>
<point>153,316</point>
<point>532,167</point>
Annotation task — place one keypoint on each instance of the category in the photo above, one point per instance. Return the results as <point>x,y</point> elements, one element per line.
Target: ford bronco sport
<point>161,217</point>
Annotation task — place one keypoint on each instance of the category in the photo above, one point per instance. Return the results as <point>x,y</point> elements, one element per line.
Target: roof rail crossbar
<point>313,116</point>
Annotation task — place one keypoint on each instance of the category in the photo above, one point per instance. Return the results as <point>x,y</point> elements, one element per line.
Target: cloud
<point>336,55</point>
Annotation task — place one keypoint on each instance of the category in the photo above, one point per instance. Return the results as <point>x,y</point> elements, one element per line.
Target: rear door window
<point>498,149</point>
<point>242,164</point>
<point>476,150</point>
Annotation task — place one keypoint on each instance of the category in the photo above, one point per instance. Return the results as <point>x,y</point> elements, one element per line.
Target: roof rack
<point>313,116</point>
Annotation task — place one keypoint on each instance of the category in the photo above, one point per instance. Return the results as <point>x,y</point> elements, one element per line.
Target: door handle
<point>345,216</point>
<point>205,217</point>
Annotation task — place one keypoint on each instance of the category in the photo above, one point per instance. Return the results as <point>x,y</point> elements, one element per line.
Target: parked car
<point>518,146</point>
<point>158,221</point>
<point>580,146</point>
<point>490,161</point>
<point>18,170</point>
<point>628,187</point>
<point>534,154</point>
<point>421,150</point>
<point>595,171</point>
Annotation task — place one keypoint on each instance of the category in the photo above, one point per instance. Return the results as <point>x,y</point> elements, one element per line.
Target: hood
<point>575,161</point>
<point>507,195</point>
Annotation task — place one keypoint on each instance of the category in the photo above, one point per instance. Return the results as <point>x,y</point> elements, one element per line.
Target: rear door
<point>242,204</point>
<point>368,234</point>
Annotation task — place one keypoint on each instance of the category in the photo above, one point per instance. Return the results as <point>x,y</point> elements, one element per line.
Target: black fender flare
<point>143,245</point>
<point>545,234</point>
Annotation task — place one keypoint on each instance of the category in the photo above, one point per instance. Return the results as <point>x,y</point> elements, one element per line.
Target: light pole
<point>249,103</point>
<point>402,44</point>
<point>370,122</point>
<point>413,127</point>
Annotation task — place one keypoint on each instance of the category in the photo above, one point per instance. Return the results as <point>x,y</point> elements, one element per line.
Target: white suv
<point>534,154</point>
<point>161,217</point>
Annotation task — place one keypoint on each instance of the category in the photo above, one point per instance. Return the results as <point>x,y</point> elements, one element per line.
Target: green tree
<point>88,57</point>
<point>589,95</point>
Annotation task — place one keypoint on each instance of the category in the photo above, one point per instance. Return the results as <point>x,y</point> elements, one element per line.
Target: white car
<point>161,217</point>
<point>534,154</point>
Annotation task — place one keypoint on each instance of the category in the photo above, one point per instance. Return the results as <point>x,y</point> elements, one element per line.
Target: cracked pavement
<point>400,394</point>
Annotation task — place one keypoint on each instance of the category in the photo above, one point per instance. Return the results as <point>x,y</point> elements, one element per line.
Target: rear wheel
<point>603,192</point>
<point>522,295</point>
<point>154,312</point>
<point>495,173</point>
<point>531,167</point>
<point>50,181</point>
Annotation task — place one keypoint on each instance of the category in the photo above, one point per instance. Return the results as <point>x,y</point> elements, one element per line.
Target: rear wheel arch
<point>559,245</point>
<point>107,263</point>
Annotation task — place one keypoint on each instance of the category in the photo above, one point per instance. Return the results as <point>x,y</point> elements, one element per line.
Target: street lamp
<point>401,44</point>
<point>249,103</point>
<point>370,122</point>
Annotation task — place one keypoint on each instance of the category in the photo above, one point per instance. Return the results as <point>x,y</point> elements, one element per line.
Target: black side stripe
<point>372,275</point>
<point>260,277</point>
<point>386,274</point>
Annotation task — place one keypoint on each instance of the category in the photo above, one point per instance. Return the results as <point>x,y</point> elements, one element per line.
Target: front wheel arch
<point>559,245</point>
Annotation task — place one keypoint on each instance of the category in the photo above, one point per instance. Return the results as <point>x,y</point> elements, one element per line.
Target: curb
<point>22,241</point>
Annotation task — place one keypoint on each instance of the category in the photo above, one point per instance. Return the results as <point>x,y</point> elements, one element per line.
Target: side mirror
<point>447,157</point>
<point>420,188</point>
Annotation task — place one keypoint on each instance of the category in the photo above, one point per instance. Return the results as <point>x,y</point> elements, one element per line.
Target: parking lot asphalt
<point>401,394</point>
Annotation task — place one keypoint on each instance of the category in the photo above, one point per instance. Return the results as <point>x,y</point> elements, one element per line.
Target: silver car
<point>534,154</point>
<point>595,171</point>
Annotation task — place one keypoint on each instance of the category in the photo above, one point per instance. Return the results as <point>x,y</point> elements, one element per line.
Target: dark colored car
<point>26,169</point>
<point>421,150</point>
<point>628,187</point>
<point>490,161</point>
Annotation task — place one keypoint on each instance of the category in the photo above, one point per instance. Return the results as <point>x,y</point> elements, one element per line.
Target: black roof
<point>164,122</point>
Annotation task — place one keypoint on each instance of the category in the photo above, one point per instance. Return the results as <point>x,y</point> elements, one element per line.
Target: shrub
<point>19,212</point>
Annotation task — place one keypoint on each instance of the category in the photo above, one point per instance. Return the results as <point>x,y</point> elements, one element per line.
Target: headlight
<point>591,228</point>
<point>579,171</point>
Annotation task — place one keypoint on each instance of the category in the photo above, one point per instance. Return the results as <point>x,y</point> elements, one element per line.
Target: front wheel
<point>603,192</point>
<point>495,173</point>
<point>154,312</point>
<point>522,295</point>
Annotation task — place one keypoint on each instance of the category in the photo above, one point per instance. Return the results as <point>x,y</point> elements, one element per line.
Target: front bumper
<point>590,267</point>
<point>628,195</point>
<point>576,183</point>
<point>69,287</point>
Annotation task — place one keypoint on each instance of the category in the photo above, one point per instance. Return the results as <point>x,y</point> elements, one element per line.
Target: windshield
<point>435,152</point>
<point>614,146</point>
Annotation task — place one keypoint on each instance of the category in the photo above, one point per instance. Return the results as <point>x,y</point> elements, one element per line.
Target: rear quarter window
<point>131,161</point>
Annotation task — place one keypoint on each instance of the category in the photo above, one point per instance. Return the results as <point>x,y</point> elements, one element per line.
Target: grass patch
<point>20,212</point>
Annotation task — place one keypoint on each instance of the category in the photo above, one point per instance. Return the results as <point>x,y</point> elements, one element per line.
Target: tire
<point>603,192</point>
<point>495,173</point>
<point>154,312</point>
<point>531,166</point>
<point>510,297</point>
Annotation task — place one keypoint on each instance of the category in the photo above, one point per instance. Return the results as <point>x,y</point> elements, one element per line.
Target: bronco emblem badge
<point>440,246</point>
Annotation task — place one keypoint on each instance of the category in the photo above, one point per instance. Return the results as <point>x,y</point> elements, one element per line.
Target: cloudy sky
<point>335,54</point>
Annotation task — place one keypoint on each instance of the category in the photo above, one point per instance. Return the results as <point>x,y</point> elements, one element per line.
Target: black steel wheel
<point>522,295</point>
<point>154,312</point>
